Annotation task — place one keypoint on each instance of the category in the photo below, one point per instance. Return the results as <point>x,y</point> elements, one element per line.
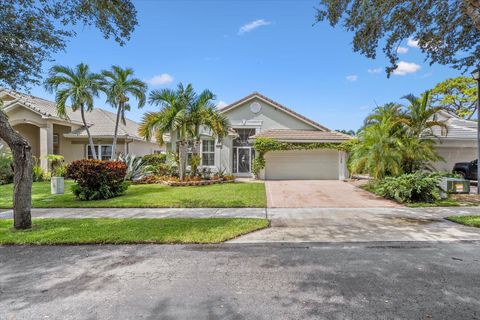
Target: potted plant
<point>58,173</point>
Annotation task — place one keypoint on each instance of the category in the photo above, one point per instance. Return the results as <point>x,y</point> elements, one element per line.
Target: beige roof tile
<point>303,135</point>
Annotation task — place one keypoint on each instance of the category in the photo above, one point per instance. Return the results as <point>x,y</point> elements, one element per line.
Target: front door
<point>243,162</point>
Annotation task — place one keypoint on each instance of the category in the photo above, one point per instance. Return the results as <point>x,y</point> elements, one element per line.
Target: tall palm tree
<point>171,118</point>
<point>202,112</point>
<point>79,86</point>
<point>183,112</point>
<point>118,85</point>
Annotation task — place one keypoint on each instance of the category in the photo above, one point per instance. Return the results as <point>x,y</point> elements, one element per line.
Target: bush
<point>6,172</point>
<point>411,187</point>
<point>154,159</point>
<point>97,179</point>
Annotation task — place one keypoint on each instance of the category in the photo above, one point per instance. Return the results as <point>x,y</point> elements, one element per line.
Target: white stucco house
<point>36,119</point>
<point>458,143</point>
<point>258,116</point>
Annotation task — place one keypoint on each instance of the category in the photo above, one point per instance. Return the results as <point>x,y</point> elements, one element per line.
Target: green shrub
<point>136,168</point>
<point>97,179</point>
<point>6,172</point>
<point>411,187</point>
<point>154,159</point>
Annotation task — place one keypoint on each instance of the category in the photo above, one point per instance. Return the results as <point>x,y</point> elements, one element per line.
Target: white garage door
<point>302,165</point>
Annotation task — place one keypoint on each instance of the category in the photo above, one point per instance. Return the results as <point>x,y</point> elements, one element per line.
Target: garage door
<point>302,165</point>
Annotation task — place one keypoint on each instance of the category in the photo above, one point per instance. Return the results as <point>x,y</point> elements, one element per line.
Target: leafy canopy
<point>32,30</point>
<point>447,31</point>
<point>457,95</point>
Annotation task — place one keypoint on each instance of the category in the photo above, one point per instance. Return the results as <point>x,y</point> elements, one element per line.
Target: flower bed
<point>175,182</point>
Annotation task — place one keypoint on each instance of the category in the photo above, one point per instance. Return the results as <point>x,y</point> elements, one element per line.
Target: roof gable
<point>275,105</point>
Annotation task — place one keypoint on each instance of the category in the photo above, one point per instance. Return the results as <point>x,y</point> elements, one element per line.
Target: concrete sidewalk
<point>363,225</point>
<point>143,213</point>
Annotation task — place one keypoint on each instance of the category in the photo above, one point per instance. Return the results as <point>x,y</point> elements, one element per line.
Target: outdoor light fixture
<point>476,76</point>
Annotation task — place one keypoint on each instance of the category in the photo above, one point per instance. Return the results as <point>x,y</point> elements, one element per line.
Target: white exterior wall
<point>453,152</point>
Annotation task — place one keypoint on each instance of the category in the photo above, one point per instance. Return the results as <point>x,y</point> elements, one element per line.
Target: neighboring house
<point>258,116</point>
<point>458,143</point>
<point>36,119</point>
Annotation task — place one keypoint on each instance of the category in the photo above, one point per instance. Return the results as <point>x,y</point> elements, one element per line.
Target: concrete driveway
<point>321,194</point>
<point>363,225</point>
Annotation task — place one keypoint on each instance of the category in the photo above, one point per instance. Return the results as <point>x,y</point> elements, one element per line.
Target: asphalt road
<point>411,280</point>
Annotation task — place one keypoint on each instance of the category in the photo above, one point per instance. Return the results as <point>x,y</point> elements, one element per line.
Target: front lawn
<point>128,231</point>
<point>471,221</point>
<point>239,195</point>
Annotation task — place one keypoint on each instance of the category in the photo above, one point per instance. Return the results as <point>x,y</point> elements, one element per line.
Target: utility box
<point>455,185</point>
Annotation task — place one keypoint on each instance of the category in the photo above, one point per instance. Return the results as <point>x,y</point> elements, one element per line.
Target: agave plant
<point>135,166</point>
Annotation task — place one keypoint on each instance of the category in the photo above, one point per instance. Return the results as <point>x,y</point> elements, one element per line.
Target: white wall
<point>453,155</point>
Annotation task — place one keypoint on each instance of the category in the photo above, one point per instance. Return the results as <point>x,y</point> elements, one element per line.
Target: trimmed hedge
<point>97,179</point>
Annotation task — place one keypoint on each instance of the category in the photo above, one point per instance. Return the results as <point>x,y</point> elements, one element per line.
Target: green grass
<point>471,221</point>
<point>235,195</point>
<point>128,231</point>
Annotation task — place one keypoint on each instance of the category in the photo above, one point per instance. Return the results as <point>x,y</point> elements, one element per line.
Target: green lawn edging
<point>229,195</point>
<point>471,221</point>
<point>64,231</point>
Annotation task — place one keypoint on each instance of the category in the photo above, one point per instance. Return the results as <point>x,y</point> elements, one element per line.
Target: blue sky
<point>236,47</point>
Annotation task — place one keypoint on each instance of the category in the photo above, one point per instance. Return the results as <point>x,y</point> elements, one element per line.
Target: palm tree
<point>171,118</point>
<point>378,151</point>
<point>202,112</point>
<point>183,112</point>
<point>78,85</point>
<point>118,84</point>
<point>421,117</point>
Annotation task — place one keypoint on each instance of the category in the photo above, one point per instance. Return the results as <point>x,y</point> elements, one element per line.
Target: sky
<point>234,48</point>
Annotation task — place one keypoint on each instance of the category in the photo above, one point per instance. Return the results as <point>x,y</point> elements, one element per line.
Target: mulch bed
<point>176,183</point>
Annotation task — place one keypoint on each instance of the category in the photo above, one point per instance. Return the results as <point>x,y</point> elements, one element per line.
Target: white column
<point>46,144</point>
<point>342,165</point>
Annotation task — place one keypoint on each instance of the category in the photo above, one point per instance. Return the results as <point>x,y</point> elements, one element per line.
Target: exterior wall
<point>141,148</point>
<point>453,153</point>
<point>268,117</point>
<point>32,134</point>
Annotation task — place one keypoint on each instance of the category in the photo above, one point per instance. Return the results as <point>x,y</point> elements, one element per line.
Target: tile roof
<point>303,135</point>
<point>100,121</point>
<point>276,104</point>
<point>457,129</point>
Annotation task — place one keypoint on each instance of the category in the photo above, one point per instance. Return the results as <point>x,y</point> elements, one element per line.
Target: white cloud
<point>412,43</point>
<point>253,25</point>
<point>404,68</point>
<point>221,104</point>
<point>375,70</point>
<point>352,77</point>
<point>402,50</point>
<point>160,79</point>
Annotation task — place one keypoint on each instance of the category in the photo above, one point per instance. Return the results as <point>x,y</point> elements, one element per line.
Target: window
<point>243,136</point>
<point>103,151</point>
<point>208,152</point>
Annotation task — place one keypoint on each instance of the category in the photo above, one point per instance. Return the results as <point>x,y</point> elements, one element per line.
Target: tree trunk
<point>182,157</point>
<point>114,145</point>
<point>22,168</point>
<point>90,140</point>
<point>472,8</point>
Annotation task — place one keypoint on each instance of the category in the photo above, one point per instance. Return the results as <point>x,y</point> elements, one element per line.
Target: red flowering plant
<point>97,179</point>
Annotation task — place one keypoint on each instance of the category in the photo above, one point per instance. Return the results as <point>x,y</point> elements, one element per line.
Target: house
<point>36,119</point>
<point>258,116</point>
<point>456,144</point>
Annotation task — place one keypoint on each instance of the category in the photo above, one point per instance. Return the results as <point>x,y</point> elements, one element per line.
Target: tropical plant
<point>54,161</point>
<point>411,187</point>
<point>78,85</point>
<point>6,172</point>
<point>97,179</point>
<point>396,139</point>
<point>118,85</point>
<point>135,166</point>
<point>38,175</point>
<point>183,113</point>
<point>379,151</point>
<point>155,159</point>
